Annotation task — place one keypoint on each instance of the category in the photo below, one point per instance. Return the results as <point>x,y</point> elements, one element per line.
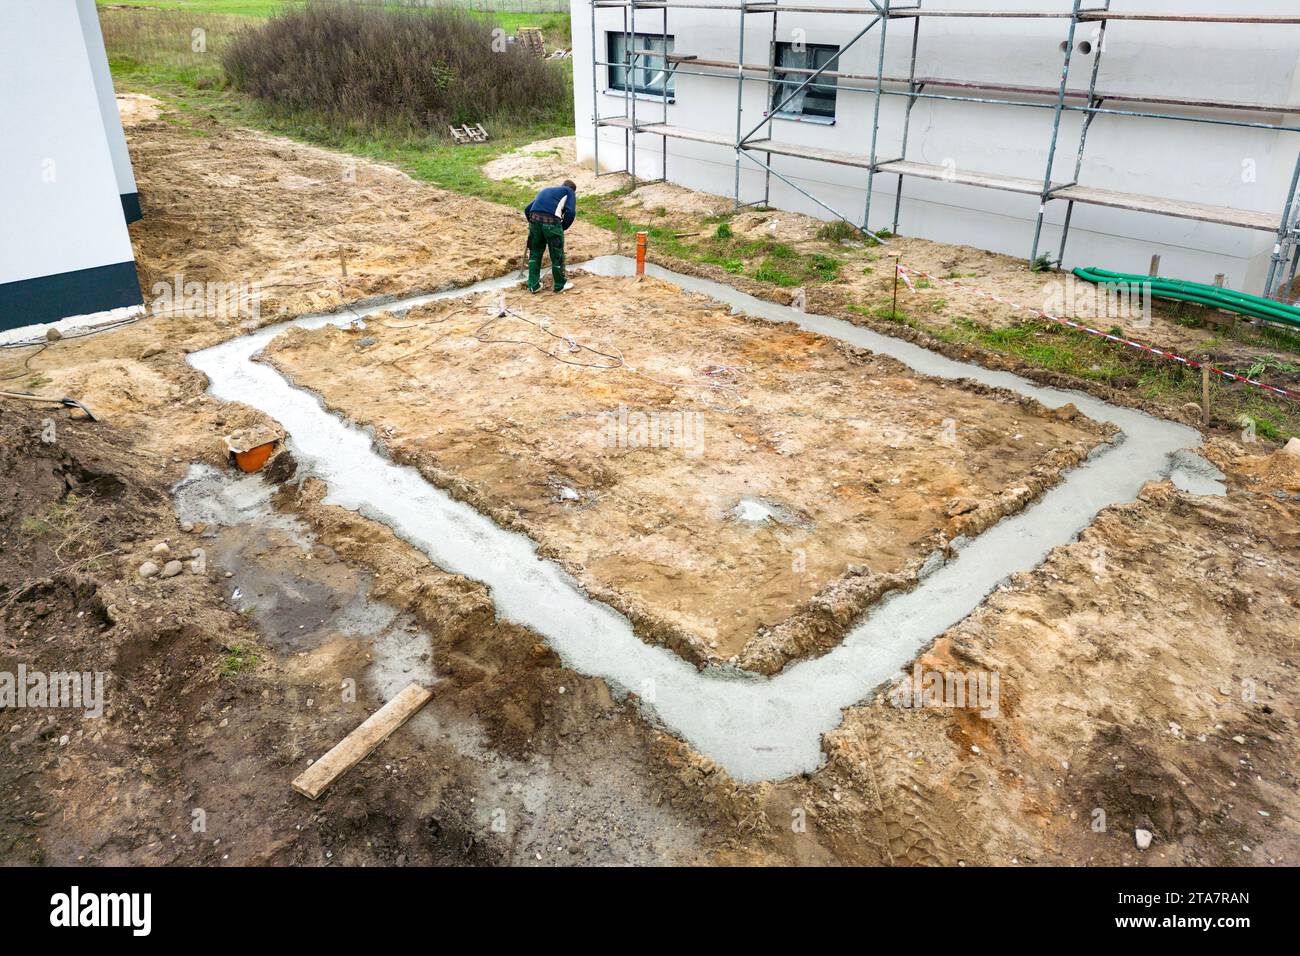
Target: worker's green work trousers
<point>543,236</point>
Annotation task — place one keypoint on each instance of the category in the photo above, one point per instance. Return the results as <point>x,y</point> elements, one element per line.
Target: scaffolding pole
<point>1056,134</point>
<point>907,113</point>
<point>595,99</point>
<point>1285,260</point>
<point>1087,124</point>
<point>740,96</point>
<point>875,115</point>
<point>663,140</point>
<point>629,86</point>
<point>768,98</point>
<point>1286,234</point>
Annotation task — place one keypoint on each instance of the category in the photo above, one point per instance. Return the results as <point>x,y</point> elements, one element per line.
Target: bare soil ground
<point>314,230</point>
<point>1147,670</point>
<point>964,277</point>
<point>550,161</point>
<point>537,410</point>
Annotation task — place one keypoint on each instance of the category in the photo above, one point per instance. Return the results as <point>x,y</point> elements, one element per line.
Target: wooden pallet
<point>531,40</point>
<point>468,134</point>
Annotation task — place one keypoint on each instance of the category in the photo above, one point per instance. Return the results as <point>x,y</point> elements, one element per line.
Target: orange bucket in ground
<point>253,459</point>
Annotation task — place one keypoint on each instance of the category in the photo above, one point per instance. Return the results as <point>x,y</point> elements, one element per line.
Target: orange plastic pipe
<point>253,459</point>
<point>640,253</point>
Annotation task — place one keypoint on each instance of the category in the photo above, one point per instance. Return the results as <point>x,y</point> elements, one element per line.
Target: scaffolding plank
<point>1096,15</point>
<point>983,14</point>
<point>696,136</point>
<point>809,152</point>
<point>994,87</point>
<point>1011,184</point>
<point>1256,18</point>
<point>661,5</point>
<point>673,132</point>
<point>906,12</point>
<point>1091,195</point>
<point>1178,209</point>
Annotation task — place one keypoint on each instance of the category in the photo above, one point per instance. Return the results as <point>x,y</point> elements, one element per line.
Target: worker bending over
<point>549,215</point>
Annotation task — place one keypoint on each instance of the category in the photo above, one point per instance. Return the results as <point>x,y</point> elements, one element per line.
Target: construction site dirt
<point>708,475</point>
<point>1145,670</point>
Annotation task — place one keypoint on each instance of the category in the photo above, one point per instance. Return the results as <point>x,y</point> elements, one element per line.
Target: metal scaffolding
<point>1091,102</point>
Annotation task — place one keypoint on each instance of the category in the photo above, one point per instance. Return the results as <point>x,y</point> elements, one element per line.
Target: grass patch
<point>768,271</point>
<point>826,268</point>
<point>243,8</point>
<point>236,659</point>
<point>839,231</point>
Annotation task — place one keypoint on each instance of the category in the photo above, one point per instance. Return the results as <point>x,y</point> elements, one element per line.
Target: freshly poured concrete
<point>756,728</point>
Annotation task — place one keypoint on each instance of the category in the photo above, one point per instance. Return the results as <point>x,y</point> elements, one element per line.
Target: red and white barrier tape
<point>903,273</point>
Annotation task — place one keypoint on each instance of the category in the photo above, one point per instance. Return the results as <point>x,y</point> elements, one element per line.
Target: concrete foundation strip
<point>755,728</point>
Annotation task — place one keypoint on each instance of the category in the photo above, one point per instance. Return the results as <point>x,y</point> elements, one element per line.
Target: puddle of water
<point>608,814</point>
<point>297,600</point>
<point>756,728</point>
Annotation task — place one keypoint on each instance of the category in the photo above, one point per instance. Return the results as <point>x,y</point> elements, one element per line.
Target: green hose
<point>1212,296</point>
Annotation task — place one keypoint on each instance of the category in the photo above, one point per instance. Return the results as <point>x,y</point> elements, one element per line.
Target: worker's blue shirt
<point>558,201</point>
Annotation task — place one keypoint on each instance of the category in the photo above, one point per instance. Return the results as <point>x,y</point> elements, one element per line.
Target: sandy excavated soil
<point>550,161</point>
<point>1145,684</point>
<point>865,468</point>
<point>1147,671</point>
<point>311,228</point>
<point>866,276</point>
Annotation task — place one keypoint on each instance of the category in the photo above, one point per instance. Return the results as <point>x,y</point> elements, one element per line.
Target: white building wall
<point>107,96</point>
<point>1225,166</point>
<point>64,246</point>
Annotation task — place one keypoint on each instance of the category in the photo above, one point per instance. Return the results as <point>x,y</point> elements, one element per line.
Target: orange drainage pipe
<point>254,458</point>
<point>640,253</point>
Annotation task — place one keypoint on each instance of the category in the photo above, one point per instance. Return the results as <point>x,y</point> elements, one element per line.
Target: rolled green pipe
<point>1198,292</point>
<point>1212,296</point>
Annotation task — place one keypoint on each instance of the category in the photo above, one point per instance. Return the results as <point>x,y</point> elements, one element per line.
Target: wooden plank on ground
<point>353,748</point>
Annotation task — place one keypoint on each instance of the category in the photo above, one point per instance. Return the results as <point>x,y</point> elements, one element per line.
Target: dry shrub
<point>373,66</point>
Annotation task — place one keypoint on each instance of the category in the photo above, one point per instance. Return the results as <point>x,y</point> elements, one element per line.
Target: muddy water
<point>299,597</point>
<point>755,728</point>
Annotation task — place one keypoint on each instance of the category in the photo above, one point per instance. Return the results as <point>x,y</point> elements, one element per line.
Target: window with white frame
<point>817,99</point>
<point>649,73</point>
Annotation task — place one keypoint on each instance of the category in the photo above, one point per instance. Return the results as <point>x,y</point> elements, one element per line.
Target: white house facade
<point>66,186</point>
<point>1208,197</point>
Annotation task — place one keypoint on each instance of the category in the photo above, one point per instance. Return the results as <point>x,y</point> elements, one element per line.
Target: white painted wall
<point>60,209</point>
<point>1186,161</point>
<point>98,57</point>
